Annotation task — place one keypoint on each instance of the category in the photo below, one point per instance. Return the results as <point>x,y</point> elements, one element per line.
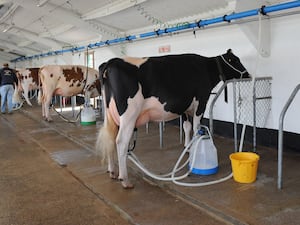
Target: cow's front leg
<point>187,127</point>
<point>46,110</point>
<point>43,110</point>
<point>196,123</point>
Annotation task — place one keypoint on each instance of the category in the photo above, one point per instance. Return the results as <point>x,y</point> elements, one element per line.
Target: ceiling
<point>30,27</point>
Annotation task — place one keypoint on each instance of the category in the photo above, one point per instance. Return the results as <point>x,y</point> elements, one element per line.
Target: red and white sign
<point>164,49</point>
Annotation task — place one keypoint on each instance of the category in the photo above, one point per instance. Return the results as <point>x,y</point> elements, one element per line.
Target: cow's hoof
<point>112,175</point>
<point>127,185</point>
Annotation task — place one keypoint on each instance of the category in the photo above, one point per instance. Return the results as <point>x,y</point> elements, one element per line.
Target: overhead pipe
<point>184,26</point>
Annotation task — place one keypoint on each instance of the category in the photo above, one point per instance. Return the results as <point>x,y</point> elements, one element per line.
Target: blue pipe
<point>288,5</point>
<point>242,14</point>
<point>201,23</point>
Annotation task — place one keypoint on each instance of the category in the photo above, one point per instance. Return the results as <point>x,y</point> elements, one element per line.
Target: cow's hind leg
<point>122,141</point>
<point>46,106</point>
<point>106,144</point>
<point>111,167</point>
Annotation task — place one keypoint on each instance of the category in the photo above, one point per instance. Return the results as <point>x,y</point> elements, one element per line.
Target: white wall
<point>282,64</point>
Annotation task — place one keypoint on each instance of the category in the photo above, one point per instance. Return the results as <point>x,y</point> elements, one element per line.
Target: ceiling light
<point>7,28</point>
<point>41,3</point>
<point>111,8</point>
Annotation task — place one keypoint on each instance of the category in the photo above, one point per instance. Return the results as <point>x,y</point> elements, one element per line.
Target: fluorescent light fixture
<point>7,28</point>
<point>41,3</point>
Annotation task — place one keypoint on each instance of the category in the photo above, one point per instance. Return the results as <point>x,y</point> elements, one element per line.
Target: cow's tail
<point>106,141</point>
<point>40,96</point>
<point>40,93</point>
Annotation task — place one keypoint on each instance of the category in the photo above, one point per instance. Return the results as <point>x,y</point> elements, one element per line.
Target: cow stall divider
<point>247,108</point>
<point>280,134</point>
<point>62,105</point>
<point>86,113</point>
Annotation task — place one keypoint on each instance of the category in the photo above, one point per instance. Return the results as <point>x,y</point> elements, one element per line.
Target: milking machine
<point>202,160</point>
<point>87,115</point>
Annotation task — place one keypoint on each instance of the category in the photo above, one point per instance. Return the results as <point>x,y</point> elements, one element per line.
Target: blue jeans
<point>6,92</point>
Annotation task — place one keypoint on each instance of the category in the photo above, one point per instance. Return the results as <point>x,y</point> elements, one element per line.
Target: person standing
<point>8,79</point>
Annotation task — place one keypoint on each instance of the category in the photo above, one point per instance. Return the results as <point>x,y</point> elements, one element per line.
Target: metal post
<point>161,131</point>
<point>60,103</point>
<point>234,117</point>
<point>280,135</point>
<point>180,130</point>
<point>73,102</point>
<point>211,126</point>
<point>254,116</point>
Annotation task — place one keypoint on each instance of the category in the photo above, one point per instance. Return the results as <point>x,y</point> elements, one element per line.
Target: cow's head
<point>231,67</point>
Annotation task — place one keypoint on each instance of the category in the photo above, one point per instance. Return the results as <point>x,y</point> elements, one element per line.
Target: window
<point>89,59</point>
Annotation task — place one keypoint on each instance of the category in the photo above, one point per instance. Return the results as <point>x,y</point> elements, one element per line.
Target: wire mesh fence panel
<point>263,101</point>
<point>252,104</point>
<point>253,101</point>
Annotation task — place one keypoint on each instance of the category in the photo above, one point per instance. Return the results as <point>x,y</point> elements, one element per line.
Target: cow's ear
<point>229,51</point>
<point>105,74</point>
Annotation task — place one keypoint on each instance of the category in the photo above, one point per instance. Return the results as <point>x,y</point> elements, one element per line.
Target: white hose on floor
<point>164,177</point>
<point>171,176</point>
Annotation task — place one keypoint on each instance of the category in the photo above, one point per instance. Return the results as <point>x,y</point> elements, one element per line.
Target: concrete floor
<point>50,175</point>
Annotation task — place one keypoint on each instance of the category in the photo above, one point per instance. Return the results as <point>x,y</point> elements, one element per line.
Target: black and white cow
<point>139,90</point>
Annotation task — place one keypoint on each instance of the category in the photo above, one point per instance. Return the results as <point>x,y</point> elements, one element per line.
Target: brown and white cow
<point>28,81</point>
<point>67,80</point>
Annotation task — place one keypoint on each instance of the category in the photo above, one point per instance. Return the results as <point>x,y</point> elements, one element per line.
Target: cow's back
<point>175,80</point>
<point>67,80</point>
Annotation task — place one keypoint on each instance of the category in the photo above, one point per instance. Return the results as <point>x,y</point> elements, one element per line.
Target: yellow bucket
<point>244,166</point>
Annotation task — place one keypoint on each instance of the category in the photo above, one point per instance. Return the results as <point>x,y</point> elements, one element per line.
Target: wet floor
<point>50,175</point>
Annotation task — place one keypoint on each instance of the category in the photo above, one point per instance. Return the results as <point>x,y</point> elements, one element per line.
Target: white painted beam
<point>7,56</point>
<point>109,9</point>
<point>4,1</point>
<point>10,46</point>
<point>9,12</point>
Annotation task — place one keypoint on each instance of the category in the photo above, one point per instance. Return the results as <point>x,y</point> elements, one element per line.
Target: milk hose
<point>171,176</point>
<point>164,177</point>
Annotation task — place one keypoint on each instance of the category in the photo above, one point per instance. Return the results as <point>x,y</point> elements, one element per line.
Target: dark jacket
<point>8,76</point>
